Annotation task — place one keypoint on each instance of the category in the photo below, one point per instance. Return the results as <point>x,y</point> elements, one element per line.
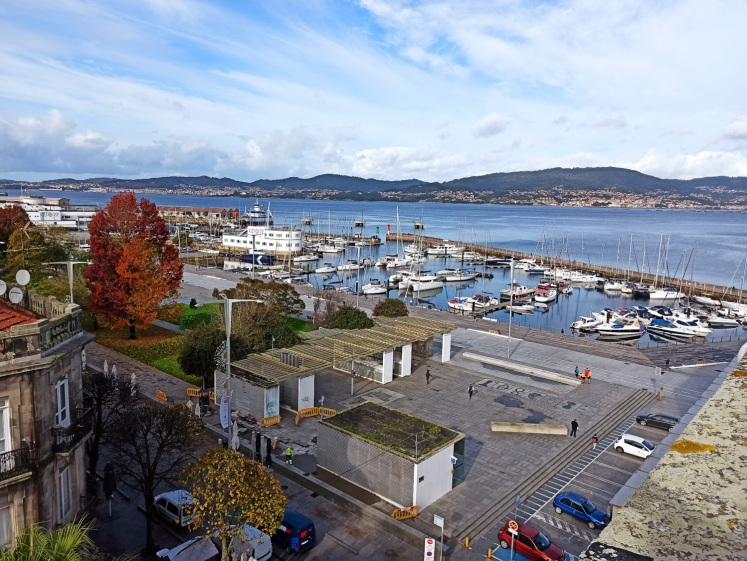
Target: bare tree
<point>110,396</point>
<point>154,444</point>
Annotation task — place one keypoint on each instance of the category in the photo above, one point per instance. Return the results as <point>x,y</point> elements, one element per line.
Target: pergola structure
<point>345,349</point>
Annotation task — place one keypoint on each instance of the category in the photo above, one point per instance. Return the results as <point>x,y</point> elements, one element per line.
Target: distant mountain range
<point>583,186</point>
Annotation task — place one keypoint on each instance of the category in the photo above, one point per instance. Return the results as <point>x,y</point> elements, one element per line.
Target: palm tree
<point>67,543</point>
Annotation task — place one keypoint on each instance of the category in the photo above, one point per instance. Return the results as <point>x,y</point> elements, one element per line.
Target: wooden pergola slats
<point>325,348</point>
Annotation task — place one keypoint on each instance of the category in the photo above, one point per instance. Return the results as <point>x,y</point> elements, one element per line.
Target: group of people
<point>584,376</point>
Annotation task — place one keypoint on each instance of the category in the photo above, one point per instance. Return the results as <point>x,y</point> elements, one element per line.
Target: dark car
<point>658,420</point>
<point>296,533</point>
<point>531,543</point>
<point>580,507</point>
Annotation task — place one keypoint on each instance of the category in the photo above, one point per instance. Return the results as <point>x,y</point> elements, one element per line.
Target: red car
<point>531,543</point>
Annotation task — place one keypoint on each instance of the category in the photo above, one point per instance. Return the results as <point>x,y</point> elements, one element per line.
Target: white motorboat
<point>472,255</point>
<point>444,250</point>
<point>578,276</point>
<point>545,295</point>
<point>516,290</point>
<point>520,309</point>
<point>722,322</point>
<point>705,301</point>
<point>524,264</point>
<point>692,325</point>
<point>351,265</point>
<point>481,301</point>
<point>613,285</point>
<point>306,258</point>
<point>735,308</point>
<point>456,275</point>
<point>659,326</point>
<point>585,324</point>
<point>628,288</point>
<point>325,269</point>
<point>412,249</point>
<point>460,303</point>
<point>329,248</point>
<point>620,328</point>
<point>373,287</point>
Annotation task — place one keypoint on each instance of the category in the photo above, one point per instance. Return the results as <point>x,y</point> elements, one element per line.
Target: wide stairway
<point>479,525</point>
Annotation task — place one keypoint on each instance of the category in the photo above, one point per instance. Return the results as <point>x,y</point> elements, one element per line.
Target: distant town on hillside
<point>601,187</point>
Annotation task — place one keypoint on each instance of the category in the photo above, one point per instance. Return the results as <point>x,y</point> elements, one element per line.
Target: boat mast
<point>658,260</point>
<point>630,255</point>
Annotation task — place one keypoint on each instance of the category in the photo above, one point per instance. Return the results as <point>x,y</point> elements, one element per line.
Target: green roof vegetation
<point>403,433</point>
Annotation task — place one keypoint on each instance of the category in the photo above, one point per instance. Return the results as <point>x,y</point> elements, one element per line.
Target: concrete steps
<point>505,504</point>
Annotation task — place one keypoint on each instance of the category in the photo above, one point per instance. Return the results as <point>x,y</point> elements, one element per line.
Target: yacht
<point>412,249</point>
<point>613,285</point>
<point>504,261</point>
<point>306,258</point>
<point>545,294</point>
<point>524,264</point>
<point>659,326</point>
<point>620,328</point>
<point>666,293</point>
<point>456,275</point>
<point>585,324</point>
<point>417,283</point>
<point>351,265</point>
<point>578,276</point>
<point>331,248</point>
<point>373,287</point>
<point>520,309</point>
<point>481,301</point>
<point>258,216</point>
<point>326,269</point>
<point>516,290</point>
<point>460,303</point>
<point>444,250</point>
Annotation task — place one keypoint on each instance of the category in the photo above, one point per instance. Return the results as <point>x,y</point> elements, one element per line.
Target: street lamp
<point>227,397</point>
<point>510,308</point>
<point>69,271</point>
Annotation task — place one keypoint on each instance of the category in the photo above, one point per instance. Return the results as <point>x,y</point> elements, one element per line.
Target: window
<point>5,444</point>
<point>6,526</point>
<point>64,482</point>
<point>63,404</point>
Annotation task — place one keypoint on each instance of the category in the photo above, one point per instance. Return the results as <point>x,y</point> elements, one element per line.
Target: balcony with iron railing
<point>67,438</point>
<point>16,462</point>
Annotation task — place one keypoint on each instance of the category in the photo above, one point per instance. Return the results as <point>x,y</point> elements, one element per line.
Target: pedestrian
<point>576,371</point>
<point>471,390</point>
<point>574,428</point>
<point>585,376</point>
<point>667,364</point>
<point>427,376</point>
<point>562,332</point>
<point>588,376</point>
<point>594,441</point>
<point>289,455</point>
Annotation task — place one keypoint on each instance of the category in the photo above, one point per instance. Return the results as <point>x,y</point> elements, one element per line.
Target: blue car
<point>580,507</point>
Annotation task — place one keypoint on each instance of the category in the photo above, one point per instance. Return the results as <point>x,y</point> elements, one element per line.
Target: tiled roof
<point>11,315</point>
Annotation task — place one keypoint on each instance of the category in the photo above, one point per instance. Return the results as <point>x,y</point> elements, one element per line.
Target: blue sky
<point>390,89</point>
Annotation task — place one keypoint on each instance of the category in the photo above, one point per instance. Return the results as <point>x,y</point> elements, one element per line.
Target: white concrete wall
<point>406,366</point>
<point>387,367</point>
<point>306,392</point>
<point>437,477</point>
<point>272,401</point>
<point>446,347</point>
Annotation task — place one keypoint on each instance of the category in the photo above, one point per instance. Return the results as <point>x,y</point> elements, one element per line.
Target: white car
<point>633,445</point>
<point>172,505</point>
<point>196,549</point>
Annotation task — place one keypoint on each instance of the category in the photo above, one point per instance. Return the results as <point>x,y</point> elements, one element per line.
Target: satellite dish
<point>3,287</point>
<point>23,277</point>
<point>15,295</point>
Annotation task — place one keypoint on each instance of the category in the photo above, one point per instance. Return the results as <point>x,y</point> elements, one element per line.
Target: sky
<point>387,89</point>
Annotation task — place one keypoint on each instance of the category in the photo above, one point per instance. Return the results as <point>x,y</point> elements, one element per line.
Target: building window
<point>6,526</point>
<point>64,482</point>
<point>63,404</point>
<point>5,444</point>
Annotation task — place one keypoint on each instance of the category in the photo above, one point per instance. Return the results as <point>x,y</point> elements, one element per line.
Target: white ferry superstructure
<point>271,240</point>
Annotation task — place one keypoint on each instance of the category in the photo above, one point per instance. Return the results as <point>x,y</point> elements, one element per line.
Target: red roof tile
<point>11,315</point>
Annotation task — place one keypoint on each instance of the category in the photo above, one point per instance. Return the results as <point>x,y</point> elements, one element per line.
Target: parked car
<point>634,445</point>
<point>296,533</point>
<point>658,420</point>
<point>196,549</point>
<point>255,544</point>
<point>580,507</point>
<point>531,543</point>
<point>172,504</point>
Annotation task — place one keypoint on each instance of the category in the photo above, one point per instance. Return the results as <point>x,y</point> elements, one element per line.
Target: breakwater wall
<point>690,288</point>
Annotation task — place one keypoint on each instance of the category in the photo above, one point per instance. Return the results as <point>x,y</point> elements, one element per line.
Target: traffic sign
<point>430,549</point>
<point>438,521</point>
<point>513,527</point>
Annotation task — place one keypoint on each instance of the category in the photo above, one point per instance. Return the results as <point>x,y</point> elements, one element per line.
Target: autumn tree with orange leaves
<point>229,492</point>
<point>134,268</point>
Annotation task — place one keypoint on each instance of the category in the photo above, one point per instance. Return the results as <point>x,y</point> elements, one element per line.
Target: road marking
<point>608,466</point>
<point>568,528</point>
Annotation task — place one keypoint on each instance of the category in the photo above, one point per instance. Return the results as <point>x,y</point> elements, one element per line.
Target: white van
<point>255,544</point>
<point>171,506</point>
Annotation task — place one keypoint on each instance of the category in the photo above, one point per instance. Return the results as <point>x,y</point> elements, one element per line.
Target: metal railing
<point>66,438</point>
<point>16,462</point>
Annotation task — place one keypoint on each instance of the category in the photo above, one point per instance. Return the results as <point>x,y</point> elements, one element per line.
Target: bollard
<point>466,542</point>
<point>490,553</point>
<point>661,393</point>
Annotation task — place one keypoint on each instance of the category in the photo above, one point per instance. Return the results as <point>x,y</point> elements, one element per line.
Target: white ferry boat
<point>264,239</point>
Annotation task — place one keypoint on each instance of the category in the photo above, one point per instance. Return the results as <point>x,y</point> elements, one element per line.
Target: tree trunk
<point>132,329</point>
<point>225,554</point>
<point>93,453</point>
<point>150,546</point>
<point>95,322</point>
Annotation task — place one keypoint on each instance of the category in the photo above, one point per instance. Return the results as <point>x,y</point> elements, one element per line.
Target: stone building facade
<point>43,423</point>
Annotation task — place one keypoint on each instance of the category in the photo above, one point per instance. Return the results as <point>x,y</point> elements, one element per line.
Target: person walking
<point>427,376</point>
<point>588,376</point>
<point>574,428</point>
<point>471,390</point>
<point>594,441</point>
<point>576,371</point>
<point>562,332</point>
<point>289,455</point>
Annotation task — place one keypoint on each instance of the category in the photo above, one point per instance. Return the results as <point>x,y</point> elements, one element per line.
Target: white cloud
<point>490,126</point>
<point>688,166</point>
<point>737,129</point>
<point>618,122</point>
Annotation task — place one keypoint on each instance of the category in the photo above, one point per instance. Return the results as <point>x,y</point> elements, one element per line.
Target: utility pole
<point>69,271</point>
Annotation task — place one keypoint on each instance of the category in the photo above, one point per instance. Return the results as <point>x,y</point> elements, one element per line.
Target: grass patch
<point>201,315</point>
<point>155,346</point>
<point>298,325</point>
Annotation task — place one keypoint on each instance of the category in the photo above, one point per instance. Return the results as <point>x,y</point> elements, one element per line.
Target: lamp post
<point>358,279</point>
<point>510,308</point>
<point>69,271</point>
<point>227,311</point>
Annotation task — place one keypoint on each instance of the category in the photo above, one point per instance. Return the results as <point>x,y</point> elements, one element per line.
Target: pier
<point>690,288</point>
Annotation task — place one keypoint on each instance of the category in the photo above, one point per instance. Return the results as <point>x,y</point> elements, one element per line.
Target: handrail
<point>66,438</point>
<point>16,462</point>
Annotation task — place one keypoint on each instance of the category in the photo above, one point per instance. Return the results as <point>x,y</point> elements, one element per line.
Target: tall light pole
<point>227,397</point>
<point>510,308</point>
<point>69,271</point>
<point>358,280</point>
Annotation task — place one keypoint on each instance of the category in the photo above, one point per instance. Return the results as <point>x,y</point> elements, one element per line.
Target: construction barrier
<point>269,421</point>
<point>405,513</point>
<point>314,412</point>
<point>161,395</point>
<point>193,392</point>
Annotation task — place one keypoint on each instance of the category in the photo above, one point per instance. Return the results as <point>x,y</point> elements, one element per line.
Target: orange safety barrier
<point>269,421</point>
<point>314,411</point>
<point>161,395</point>
<point>193,392</point>
<point>405,513</point>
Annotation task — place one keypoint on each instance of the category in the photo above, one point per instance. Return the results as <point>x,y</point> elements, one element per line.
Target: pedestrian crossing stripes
<point>562,525</point>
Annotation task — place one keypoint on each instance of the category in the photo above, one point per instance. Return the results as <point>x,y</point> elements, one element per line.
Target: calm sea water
<point>708,247</point>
